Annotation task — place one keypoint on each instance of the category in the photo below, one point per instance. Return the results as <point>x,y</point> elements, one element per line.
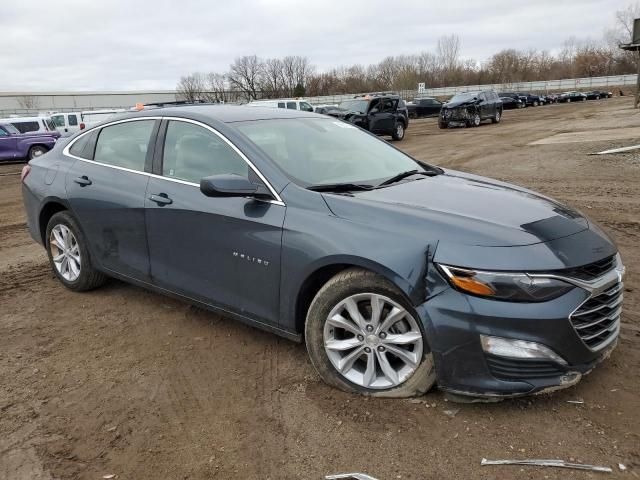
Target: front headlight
<point>514,287</point>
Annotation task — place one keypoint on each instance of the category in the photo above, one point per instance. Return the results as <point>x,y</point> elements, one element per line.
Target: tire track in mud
<point>27,275</point>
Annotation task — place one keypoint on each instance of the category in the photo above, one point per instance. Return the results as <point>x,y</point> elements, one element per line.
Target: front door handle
<point>161,199</point>
<point>83,181</point>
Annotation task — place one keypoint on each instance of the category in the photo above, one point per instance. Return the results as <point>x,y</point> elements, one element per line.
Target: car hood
<point>462,208</point>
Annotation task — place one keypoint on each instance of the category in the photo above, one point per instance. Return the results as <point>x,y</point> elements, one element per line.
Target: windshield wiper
<point>408,173</point>
<point>339,187</point>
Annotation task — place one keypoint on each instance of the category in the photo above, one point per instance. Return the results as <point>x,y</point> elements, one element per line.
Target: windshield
<point>464,97</point>
<point>326,151</point>
<point>360,106</point>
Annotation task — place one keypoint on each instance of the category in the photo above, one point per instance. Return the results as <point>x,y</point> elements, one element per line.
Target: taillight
<point>25,171</point>
<point>82,126</point>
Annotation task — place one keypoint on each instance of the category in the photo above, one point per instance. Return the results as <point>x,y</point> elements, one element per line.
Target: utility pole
<point>634,46</point>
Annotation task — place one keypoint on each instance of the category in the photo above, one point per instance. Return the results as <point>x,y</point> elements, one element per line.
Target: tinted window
<point>291,105</point>
<point>280,104</point>
<point>73,120</point>
<point>192,152</point>
<point>29,126</point>
<point>3,133</point>
<point>79,145</point>
<point>125,144</point>
<point>58,120</point>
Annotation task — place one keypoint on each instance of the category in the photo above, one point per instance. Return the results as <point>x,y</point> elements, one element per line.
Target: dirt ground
<point>120,381</point>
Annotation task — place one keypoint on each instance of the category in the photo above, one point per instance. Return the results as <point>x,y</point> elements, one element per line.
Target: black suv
<point>470,109</point>
<point>382,114</point>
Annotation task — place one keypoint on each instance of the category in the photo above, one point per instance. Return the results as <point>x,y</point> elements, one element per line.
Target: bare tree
<point>245,75</point>
<point>216,88</point>
<point>272,81</point>
<point>191,87</point>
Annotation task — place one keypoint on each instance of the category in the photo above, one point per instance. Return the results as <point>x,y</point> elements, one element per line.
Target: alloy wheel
<point>373,341</point>
<point>65,252</point>
<point>476,120</point>
<point>399,130</point>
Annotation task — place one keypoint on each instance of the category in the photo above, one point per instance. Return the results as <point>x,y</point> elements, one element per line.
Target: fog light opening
<point>507,347</point>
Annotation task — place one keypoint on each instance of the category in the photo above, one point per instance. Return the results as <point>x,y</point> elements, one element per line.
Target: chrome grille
<point>597,320</point>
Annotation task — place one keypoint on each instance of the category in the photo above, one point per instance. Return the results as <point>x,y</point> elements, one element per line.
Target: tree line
<point>250,77</point>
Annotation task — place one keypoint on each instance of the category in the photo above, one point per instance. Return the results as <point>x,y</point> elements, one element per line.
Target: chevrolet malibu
<point>396,274</point>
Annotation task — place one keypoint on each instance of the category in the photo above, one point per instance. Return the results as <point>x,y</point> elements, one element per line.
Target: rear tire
<point>408,380</point>
<point>535,103</point>
<point>69,255</point>
<point>37,151</point>
<point>497,117</point>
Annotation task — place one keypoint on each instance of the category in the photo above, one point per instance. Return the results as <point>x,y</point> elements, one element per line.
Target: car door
<point>8,145</point>
<point>382,119</point>
<point>106,189</point>
<point>223,251</point>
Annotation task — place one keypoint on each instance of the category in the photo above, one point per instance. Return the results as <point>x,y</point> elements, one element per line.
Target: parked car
<point>93,117</point>
<point>424,107</point>
<point>397,274</point>
<point>569,97</point>
<point>470,109</point>
<point>515,96</point>
<point>289,103</point>
<point>379,114</point>
<point>533,100</point>
<point>598,94</point>
<point>15,145</point>
<point>509,103</point>
<point>68,123</point>
<point>552,97</point>
<point>40,124</point>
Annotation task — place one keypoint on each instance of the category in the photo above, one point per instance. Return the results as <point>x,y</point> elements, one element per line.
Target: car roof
<point>222,113</point>
<point>24,119</point>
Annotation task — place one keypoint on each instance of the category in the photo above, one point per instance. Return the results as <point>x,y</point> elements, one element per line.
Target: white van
<point>290,103</point>
<point>91,117</point>
<point>68,123</point>
<point>40,123</point>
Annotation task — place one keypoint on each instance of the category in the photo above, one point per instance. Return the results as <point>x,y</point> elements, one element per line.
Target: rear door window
<point>192,152</point>
<point>280,104</point>
<point>73,121</point>
<point>27,126</point>
<point>124,144</point>
<point>292,106</point>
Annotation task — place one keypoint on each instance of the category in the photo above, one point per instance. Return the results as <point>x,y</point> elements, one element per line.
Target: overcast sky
<point>149,44</point>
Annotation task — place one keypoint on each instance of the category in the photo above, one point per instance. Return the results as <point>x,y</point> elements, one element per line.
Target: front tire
<point>69,255</point>
<point>398,133</point>
<point>475,120</point>
<point>442,124</point>
<point>364,337</point>
<point>37,151</point>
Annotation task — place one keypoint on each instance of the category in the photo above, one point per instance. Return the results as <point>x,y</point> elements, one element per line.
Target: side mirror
<point>232,185</point>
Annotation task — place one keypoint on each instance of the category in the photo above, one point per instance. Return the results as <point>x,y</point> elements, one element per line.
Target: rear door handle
<point>161,199</point>
<point>83,181</point>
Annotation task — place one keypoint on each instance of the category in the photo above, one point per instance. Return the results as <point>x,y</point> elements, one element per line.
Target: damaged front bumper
<point>546,353</point>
